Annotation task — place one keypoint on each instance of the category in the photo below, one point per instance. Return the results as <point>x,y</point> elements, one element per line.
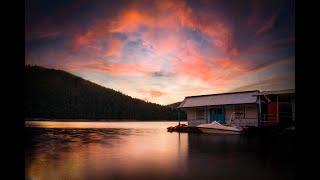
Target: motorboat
<point>217,128</point>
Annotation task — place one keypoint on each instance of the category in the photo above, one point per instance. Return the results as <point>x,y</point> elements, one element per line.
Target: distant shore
<point>95,120</point>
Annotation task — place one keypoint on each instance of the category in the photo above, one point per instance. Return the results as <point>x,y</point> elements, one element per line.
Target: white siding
<point>196,116</point>
<point>229,109</point>
<point>191,114</point>
<point>249,111</point>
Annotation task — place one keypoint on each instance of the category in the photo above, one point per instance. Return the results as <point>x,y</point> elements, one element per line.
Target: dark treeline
<point>174,105</point>
<point>51,93</point>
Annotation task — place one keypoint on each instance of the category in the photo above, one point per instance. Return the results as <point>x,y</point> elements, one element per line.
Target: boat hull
<point>218,131</point>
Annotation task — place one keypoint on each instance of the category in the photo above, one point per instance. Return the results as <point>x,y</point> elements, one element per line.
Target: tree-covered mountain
<point>174,105</point>
<point>51,93</point>
<point>183,115</point>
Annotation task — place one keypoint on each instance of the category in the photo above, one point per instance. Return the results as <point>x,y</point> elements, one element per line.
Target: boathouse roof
<point>244,97</point>
<point>277,92</point>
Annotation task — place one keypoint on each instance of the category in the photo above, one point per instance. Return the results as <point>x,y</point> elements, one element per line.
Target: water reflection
<point>108,153</point>
<point>240,157</point>
<point>145,150</point>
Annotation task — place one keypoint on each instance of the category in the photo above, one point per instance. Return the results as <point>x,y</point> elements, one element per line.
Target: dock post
<point>179,117</point>
<point>292,109</point>
<point>259,101</point>
<point>278,110</point>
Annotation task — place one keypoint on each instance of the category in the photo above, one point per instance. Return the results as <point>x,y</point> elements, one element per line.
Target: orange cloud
<point>220,34</point>
<point>230,64</point>
<point>177,13</point>
<point>195,64</point>
<point>84,39</point>
<point>115,47</point>
<point>156,93</point>
<point>206,23</point>
<point>138,68</point>
<point>234,52</point>
<point>151,94</point>
<point>216,70</point>
<point>129,21</point>
<point>130,69</point>
<point>172,15</point>
<point>162,31</point>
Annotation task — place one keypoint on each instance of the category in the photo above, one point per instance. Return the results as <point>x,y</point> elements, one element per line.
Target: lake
<point>145,150</point>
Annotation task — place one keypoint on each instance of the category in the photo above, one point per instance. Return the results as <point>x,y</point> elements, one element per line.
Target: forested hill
<point>174,105</point>
<point>57,94</point>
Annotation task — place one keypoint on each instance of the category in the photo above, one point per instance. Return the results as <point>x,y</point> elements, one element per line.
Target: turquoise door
<point>217,114</point>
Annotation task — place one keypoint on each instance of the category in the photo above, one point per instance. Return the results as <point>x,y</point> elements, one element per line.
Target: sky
<point>163,51</point>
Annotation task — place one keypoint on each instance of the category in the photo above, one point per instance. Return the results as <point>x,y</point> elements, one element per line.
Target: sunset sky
<point>161,51</point>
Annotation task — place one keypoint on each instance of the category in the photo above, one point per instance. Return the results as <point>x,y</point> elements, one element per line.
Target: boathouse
<point>276,108</point>
<point>246,108</point>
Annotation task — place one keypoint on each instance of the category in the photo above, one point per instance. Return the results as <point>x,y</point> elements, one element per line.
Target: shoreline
<point>99,120</point>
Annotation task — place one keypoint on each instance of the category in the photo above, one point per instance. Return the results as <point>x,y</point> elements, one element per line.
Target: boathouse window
<point>250,111</point>
<point>239,111</point>
<point>239,108</point>
<point>200,113</point>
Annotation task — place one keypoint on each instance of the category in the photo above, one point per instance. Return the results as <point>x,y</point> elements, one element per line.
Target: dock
<point>183,128</point>
<point>250,130</point>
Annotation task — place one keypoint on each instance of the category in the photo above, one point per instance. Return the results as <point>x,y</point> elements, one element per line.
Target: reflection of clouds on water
<point>131,152</point>
<point>101,152</point>
<point>241,157</point>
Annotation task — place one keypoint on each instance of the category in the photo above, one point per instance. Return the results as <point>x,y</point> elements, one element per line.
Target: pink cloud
<point>195,64</point>
<point>150,94</point>
<point>267,25</point>
<point>168,37</point>
<point>138,68</point>
<point>173,15</point>
<point>42,35</point>
<point>115,47</point>
<point>220,34</point>
<point>156,93</point>
<point>269,47</point>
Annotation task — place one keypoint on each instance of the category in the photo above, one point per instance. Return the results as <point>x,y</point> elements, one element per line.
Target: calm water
<point>145,150</point>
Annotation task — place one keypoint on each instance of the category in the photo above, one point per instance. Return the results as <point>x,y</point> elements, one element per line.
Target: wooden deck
<point>251,130</point>
<point>183,128</point>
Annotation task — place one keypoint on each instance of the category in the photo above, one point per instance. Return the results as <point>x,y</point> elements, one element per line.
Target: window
<point>239,108</point>
<point>239,112</point>
<point>199,113</point>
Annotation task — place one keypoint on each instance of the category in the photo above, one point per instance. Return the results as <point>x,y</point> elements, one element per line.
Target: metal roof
<point>220,99</point>
<point>277,92</point>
